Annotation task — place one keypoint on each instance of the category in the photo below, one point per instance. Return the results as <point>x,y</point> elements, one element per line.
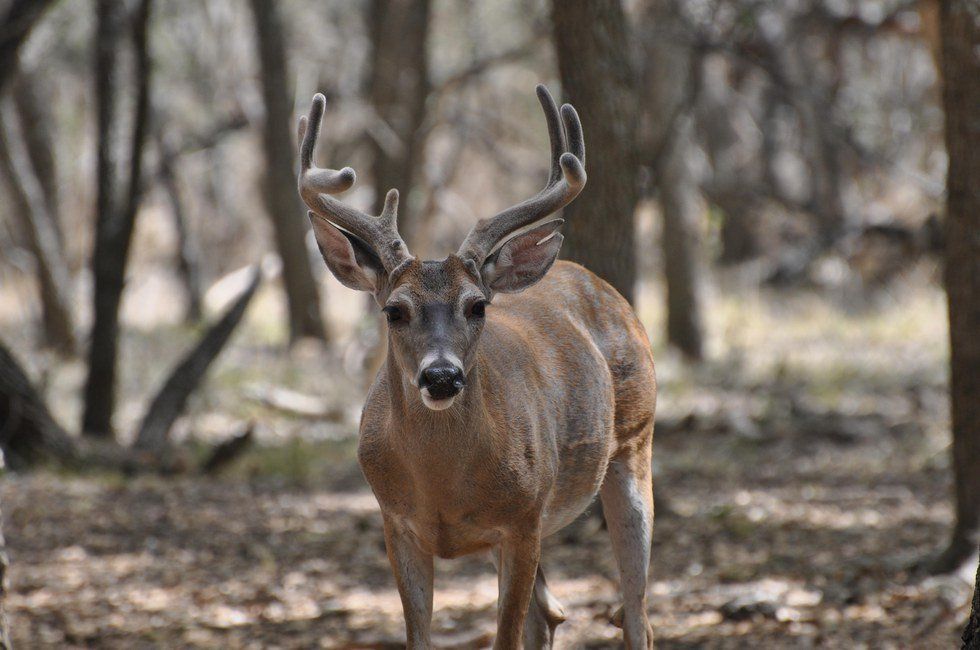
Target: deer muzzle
<point>440,382</point>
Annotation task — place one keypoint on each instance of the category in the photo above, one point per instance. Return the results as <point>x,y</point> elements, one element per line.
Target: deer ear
<point>523,260</point>
<point>349,259</point>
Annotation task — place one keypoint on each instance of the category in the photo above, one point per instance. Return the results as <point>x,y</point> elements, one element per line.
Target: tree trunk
<point>961,97</point>
<point>592,42</point>
<point>971,635</point>
<point>398,88</point>
<point>668,83</point>
<point>114,219</point>
<point>28,433</point>
<point>4,564</point>
<point>188,260</point>
<point>682,209</point>
<point>38,128</point>
<point>730,187</point>
<point>279,181</point>
<point>37,223</point>
<point>16,25</point>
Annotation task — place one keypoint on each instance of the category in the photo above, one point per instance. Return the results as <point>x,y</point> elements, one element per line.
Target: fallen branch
<point>223,454</point>
<point>170,401</point>
<point>293,403</point>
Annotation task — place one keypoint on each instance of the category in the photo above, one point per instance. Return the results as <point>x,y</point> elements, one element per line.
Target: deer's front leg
<point>413,573</point>
<point>517,567</point>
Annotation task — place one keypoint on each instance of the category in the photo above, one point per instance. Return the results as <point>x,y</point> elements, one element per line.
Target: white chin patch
<point>436,404</point>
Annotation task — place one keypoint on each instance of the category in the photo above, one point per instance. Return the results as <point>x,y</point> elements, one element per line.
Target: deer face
<point>436,309</point>
<point>435,312</point>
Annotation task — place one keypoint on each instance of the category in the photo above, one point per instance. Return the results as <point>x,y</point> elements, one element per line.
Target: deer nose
<point>442,380</point>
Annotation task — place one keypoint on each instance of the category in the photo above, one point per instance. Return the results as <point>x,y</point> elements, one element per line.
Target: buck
<point>496,418</point>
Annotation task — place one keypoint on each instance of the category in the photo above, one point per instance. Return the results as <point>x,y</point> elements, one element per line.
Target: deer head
<point>436,309</point>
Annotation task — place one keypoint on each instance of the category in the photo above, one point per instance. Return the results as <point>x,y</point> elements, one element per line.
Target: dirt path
<point>759,543</point>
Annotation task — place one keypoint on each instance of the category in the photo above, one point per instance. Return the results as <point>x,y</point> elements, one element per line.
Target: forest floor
<point>801,476</point>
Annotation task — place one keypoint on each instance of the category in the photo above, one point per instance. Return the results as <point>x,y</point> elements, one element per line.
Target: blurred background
<point>181,378</point>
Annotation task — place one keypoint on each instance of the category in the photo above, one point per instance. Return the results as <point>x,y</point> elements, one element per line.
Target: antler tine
<point>317,184</point>
<point>566,180</point>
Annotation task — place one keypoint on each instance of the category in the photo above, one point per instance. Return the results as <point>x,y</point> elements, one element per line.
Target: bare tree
<point>32,209</point>
<point>592,41</point>
<point>21,16</point>
<point>37,126</point>
<point>398,87</point>
<point>668,85</point>
<point>115,210</point>
<point>16,25</point>
<point>971,635</point>
<point>30,434</point>
<point>279,180</point>
<point>961,96</point>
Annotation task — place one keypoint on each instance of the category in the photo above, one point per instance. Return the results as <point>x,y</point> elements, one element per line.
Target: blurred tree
<point>33,211</point>
<point>971,635</point>
<point>4,563</point>
<point>961,97</point>
<point>592,41</point>
<point>38,128</point>
<point>20,17</point>
<point>115,210</point>
<point>398,86</point>
<point>29,434</point>
<point>732,185</point>
<point>279,180</point>
<point>669,92</point>
<point>16,25</point>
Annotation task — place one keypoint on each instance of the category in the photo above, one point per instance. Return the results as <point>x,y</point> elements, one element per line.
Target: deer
<point>515,388</point>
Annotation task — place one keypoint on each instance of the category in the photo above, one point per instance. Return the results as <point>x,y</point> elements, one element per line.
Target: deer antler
<point>566,180</point>
<point>317,184</point>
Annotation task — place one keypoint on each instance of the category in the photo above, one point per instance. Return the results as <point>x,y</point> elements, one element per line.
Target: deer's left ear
<point>349,259</point>
<point>523,260</point>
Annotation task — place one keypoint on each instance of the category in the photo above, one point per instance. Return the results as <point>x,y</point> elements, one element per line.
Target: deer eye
<point>477,310</point>
<point>394,314</point>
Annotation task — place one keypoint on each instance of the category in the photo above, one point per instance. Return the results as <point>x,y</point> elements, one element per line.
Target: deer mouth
<point>437,402</point>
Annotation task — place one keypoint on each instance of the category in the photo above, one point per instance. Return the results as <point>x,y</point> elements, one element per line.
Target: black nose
<point>443,380</point>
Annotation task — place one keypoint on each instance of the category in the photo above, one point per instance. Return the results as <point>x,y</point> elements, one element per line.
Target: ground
<point>801,477</point>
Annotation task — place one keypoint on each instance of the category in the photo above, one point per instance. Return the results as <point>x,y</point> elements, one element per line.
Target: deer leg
<point>627,501</point>
<point>543,616</point>
<point>413,573</point>
<point>516,576</point>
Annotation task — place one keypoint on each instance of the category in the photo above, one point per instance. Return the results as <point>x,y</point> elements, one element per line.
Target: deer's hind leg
<point>627,502</point>
<point>543,616</point>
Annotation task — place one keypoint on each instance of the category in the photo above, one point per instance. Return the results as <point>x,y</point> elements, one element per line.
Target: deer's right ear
<point>347,257</point>
<point>524,259</point>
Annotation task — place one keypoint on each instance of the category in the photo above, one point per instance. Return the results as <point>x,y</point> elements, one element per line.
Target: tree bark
<point>28,433</point>
<point>730,187</point>
<point>32,211</point>
<point>38,129</point>
<point>971,635</point>
<point>398,88</point>
<point>668,84</point>
<point>592,41</point>
<point>961,97</point>
<point>115,219</point>
<point>4,564</point>
<point>279,181</point>
<point>16,25</point>
<point>188,260</point>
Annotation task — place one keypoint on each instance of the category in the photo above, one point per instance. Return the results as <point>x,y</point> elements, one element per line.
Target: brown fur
<point>562,382</point>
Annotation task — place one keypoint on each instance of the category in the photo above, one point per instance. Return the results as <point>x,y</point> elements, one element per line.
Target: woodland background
<point>787,192</point>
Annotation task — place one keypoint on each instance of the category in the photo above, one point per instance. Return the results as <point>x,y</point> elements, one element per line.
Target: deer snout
<point>441,380</point>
